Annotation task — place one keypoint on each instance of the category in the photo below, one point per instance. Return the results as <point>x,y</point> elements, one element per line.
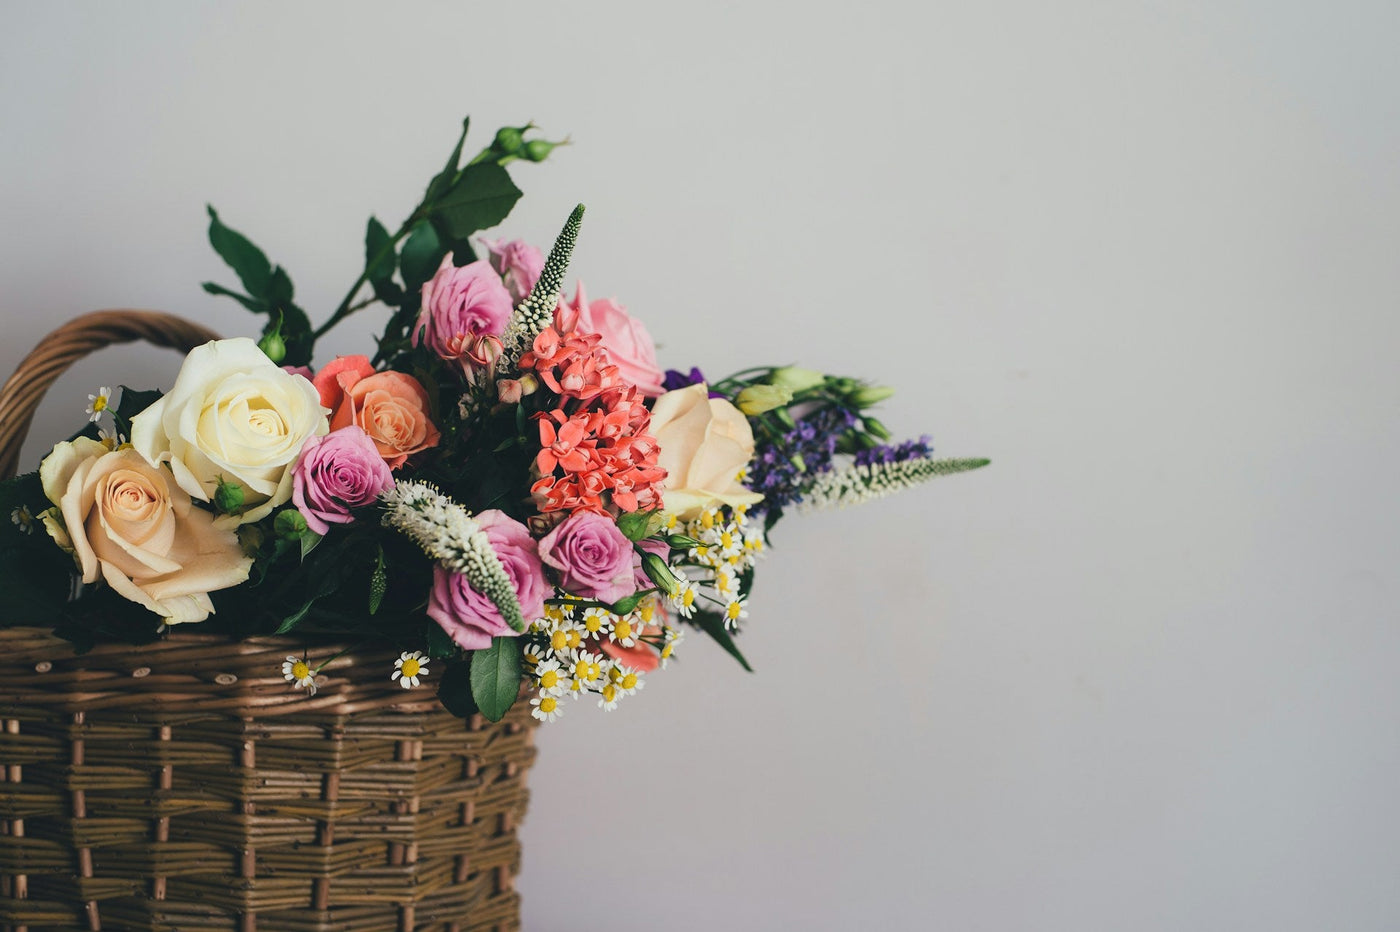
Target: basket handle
<point>20,396</point>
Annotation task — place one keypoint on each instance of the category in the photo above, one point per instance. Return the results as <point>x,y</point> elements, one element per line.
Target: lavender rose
<point>593,557</point>
<point>460,306</point>
<point>336,474</point>
<point>518,263</point>
<point>470,618</point>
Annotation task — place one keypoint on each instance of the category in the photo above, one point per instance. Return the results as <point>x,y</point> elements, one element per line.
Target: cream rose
<point>125,521</point>
<point>705,442</point>
<point>233,415</point>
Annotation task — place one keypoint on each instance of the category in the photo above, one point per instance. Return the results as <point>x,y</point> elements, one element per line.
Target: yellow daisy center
<point>572,639</point>
<point>629,681</point>
<point>411,667</point>
<point>733,611</point>
<point>558,640</point>
<point>549,679</point>
<point>300,670</point>
<point>609,692</point>
<point>623,629</point>
<point>548,704</point>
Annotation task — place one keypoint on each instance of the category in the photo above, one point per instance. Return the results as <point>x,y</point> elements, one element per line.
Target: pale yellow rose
<point>232,415</point>
<point>127,522</point>
<point>705,444</point>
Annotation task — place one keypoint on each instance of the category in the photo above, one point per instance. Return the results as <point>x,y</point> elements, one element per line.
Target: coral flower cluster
<point>596,453</point>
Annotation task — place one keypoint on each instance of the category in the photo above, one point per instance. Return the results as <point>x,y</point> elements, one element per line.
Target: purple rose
<point>593,557</point>
<point>470,618</point>
<point>336,474</point>
<point>460,306</point>
<point>519,263</point>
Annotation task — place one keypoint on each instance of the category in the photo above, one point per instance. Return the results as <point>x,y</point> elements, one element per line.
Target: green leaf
<point>455,690</point>
<point>713,625</point>
<point>279,288</point>
<point>440,644</point>
<point>252,304</point>
<point>481,198</point>
<point>422,253</point>
<point>630,603</point>
<point>496,677</point>
<point>309,542</point>
<point>247,260</point>
<point>132,404</point>
<point>380,258</point>
<point>443,179</point>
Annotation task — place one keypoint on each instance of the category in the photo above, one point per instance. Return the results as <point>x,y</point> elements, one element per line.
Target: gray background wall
<point>1140,673</point>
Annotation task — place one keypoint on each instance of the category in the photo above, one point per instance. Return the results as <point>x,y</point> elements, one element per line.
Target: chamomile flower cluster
<point>728,545</point>
<point>587,652</point>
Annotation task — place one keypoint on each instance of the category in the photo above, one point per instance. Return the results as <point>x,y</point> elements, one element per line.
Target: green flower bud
<point>796,379</point>
<point>273,346</point>
<point>290,524</point>
<point>868,395</point>
<point>759,398</point>
<point>876,428</point>
<point>682,542</point>
<point>842,385</point>
<point>509,139</point>
<point>784,417</point>
<point>658,572</point>
<point>537,150</point>
<point>228,497</point>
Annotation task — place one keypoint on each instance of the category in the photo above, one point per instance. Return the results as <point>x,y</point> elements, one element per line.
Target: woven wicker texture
<point>183,785</point>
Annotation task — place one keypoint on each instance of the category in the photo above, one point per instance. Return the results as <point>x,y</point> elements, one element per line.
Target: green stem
<point>346,307</point>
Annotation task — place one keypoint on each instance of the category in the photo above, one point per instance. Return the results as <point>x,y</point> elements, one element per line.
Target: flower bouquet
<point>504,507</point>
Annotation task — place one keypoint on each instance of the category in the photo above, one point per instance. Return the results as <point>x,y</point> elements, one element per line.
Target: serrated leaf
<point>713,625</point>
<point>455,690</point>
<point>421,255</point>
<point>246,260</point>
<point>495,677</point>
<point>633,524</point>
<point>482,197</point>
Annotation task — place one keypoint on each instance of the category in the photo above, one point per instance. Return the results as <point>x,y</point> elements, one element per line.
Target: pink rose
<point>336,474</point>
<point>459,307</point>
<point>518,263</point>
<point>593,557</point>
<point>470,618</point>
<point>629,345</point>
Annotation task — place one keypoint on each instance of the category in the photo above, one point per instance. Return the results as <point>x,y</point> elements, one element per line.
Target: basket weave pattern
<point>182,785</point>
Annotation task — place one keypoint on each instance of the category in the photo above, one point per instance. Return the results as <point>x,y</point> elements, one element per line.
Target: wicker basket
<point>182,786</point>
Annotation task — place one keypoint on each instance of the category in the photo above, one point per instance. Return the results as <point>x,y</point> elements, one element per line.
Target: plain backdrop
<point>1138,674</point>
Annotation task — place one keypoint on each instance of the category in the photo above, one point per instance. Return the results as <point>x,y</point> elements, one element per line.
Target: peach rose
<point>705,443</point>
<point>127,522</point>
<point>391,407</point>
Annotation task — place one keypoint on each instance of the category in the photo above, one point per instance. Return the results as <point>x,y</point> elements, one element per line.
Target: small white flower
<point>587,671</point>
<point>608,697</point>
<point>409,668</point>
<point>299,673</point>
<point>23,519</point>
<point>734,610</point>
<point>627,680</point>
<point>99,403</point>
<point>684,599</point>
<point>674,636</point>
<point>111,439</point>
<point>550,677</point>
<point>546,708</point>
<point>598,621</point>
<point>624,631</point>
<point>727,581</point>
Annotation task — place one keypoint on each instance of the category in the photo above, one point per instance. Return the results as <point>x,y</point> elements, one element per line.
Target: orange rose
<point>391,407</point>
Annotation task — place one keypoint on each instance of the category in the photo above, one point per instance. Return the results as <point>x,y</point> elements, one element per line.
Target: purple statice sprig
<point>886,453</point>
<point>786,462</point>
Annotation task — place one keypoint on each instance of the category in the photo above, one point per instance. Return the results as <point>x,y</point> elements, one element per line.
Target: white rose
<point>705,443</point>
<point>125,521</point>
<point>233,415</point>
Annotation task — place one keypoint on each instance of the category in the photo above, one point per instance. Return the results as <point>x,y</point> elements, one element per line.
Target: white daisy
<point>23,519</point>
<point>627,680</point>
<point>597,621</point>
<point>673,638</point>
<point>409,668</point>
<point>734,610</point>
<point>586,669</point>
<point>624,631</point>
<point>684,599</point>
<point>551,678</point>
<point>546,708</point>
<point>99,403</point>
<point>299,673</point>
<point>727,581</point>
<point>608,697</point>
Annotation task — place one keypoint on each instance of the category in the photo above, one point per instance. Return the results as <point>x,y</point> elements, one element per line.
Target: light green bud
<point>290,524</point>
<point>273,346</point>
<point>796,379</point>
<point>228,497</point>
<point>876,428</point>
<point>868,395</point>
<point>759,398</point>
